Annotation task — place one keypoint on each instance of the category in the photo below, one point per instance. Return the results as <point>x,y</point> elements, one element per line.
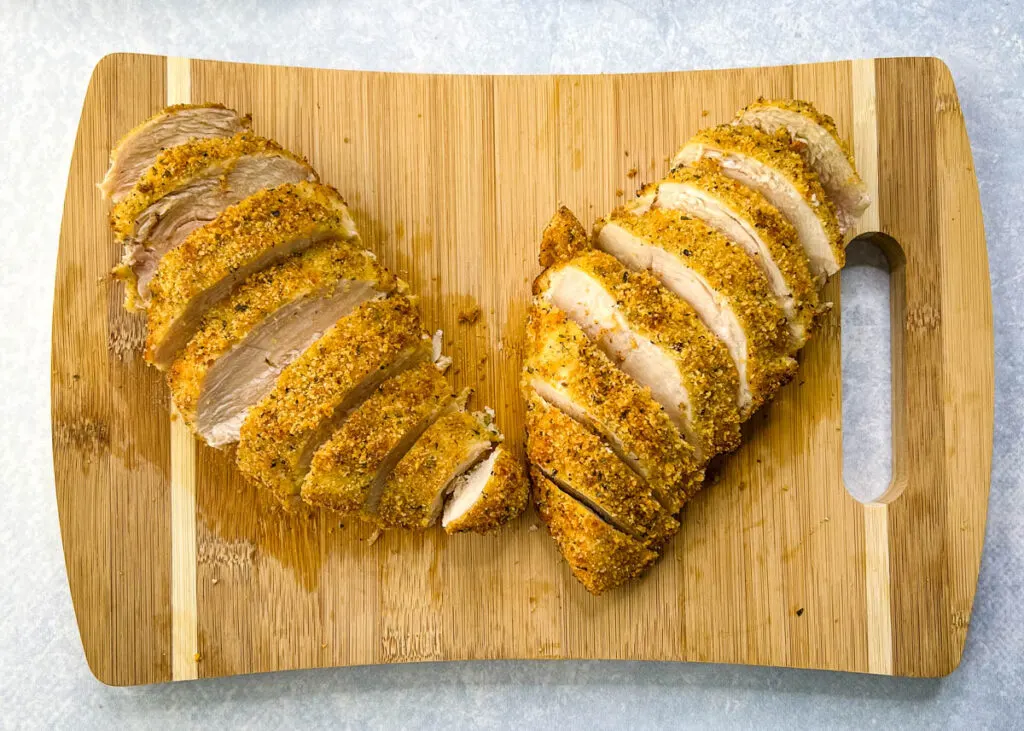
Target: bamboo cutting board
<point>178,569</point>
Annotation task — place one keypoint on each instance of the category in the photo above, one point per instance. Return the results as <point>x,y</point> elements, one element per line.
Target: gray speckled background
<point>46,55</point>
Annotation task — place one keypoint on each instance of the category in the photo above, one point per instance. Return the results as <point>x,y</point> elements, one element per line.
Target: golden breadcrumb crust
<point>599,556</point>
<point>669,322</point>
<point>503,498</point>
<point>776,151</point>
<point>316,272</point>
<point>575,459</point>
<point>560,354</point>
<point>344,467</point>
<point>774,230</point>
<point>177,165</point>
<point>731,273</point>
<point>239,235</point>
<point>808,110</point>
<point>563,238</point>
<point>276,434</point>
<point>410,498</point>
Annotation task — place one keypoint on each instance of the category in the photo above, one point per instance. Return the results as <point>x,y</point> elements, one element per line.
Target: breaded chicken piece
<point>656,338</point>
<point>414,493</point>
<point>490,495</point>
<point>599,556</point>
<point>770,165</point>
<point>260,231</point>
<point>576,460</point>
<point>350,468</point>
<point>314,394</point>
<point>187,187</point>
<point>743,216</point>
<point>568,371</point>
<point>720,282</point>
<point>245,341</point>
<point>816,138</point>
<point>170,127</point>
<point>564,237</point>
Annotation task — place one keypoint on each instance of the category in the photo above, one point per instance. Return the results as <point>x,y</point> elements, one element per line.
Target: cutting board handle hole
<point>872,302</point>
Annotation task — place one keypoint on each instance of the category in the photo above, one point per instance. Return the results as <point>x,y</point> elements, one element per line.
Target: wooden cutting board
<point>178,569</point>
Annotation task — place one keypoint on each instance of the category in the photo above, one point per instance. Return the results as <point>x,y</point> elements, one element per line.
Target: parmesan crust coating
<point>669,322</point>
<point>503,499</point>
<point>413,492</point>
<point>731,273</point>
<point>774,230</point>
<point>811,112</point>
<point>240,235</point>
<point>776,151</point>
<point>281,430</point>
<point>345,466</point>
<point>599,556</point>
<point>563,238</point>
<point>177,165</point>
<point>576,460</point>
<point>560,356</point>
<point>317,270</point>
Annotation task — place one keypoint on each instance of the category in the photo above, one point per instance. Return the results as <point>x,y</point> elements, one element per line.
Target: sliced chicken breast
<point>188,186</point>
<point>563,238</point>
<point>173,126</point>
<point>568,371</point>
<point>348,471</point>
<point>744,217</point>
<point>488,496</point>
<point>581,465</point>
<point>315,394</point>
<point>658,340</point>
<point>245,341</point>
<point>262,230</point>
<point>720,282</point>
<point>770,165</point>
<point>599,556</point>
<point>414,493</point>
<point>816,138</point>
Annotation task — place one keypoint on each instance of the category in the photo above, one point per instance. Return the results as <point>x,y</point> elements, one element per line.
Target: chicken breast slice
<point>770,165</point>
<point>658,340</point>
<point>599,556</point>
<point>187,187</point>
<point>563,238</point>
<point>170,127</point>
<point>721,283</point>
<point>581,465</point>
<point>245,341</point>
<point>413,495</point>
<point>348,471</point>
<point>488,496</point>
<point>744,217</point>
<point>315,394</point>
<point>568,371</point>
<point>262,230</point>
<point>816,138</point>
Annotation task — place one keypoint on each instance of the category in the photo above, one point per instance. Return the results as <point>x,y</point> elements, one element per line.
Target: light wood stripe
<point>876,516</point>
<point>184,620</point>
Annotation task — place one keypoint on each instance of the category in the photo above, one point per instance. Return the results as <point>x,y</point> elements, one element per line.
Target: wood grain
<point>450,180</point>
